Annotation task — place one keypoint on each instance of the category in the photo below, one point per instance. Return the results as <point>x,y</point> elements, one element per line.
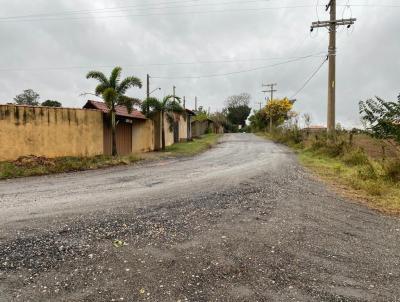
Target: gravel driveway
<point>241,222</point>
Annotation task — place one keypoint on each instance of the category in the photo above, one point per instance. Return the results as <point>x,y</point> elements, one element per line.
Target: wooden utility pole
<point>271,90</point>
<point>148,86</point>
<point>331,25</point>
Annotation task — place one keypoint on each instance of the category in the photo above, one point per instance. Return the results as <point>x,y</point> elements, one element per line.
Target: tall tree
<point>113,90</point>
<point>167,107</point>
<point>238,109</point>
<point>382,118</point>
<point>27,97</point>
<point>278,111</point>
<point>51,103</point>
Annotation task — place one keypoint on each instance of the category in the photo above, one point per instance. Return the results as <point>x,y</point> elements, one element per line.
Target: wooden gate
<point>124,139</point>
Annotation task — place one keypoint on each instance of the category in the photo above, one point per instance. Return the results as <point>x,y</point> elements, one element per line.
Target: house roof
<point>190,112</point>
<point>119,110</point>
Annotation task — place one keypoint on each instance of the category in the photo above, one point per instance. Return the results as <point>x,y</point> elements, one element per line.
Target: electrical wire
<point>159,64</point>
<point>259,9</point>
<point>234,72</point>
<point>129,7</point>
<point>310,78</point>
<point>52,17</point>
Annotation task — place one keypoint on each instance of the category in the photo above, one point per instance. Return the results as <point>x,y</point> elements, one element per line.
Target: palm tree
<point>167,107</point>
<point>112,91</point>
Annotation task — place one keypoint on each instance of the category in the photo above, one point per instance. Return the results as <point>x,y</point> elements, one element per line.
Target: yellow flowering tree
<point>278,111</point>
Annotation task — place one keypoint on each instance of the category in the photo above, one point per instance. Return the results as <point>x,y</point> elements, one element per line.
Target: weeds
<point>31,165</point>
<point>355,158</point>
<point>392,170</point>
<point>340,162</point>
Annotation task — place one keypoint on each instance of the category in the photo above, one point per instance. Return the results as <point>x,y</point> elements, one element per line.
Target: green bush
<point>392,170</point>
<point>355,158</point>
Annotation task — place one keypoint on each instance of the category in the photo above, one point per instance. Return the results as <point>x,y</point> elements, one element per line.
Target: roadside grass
<point>350,171</point>
<point>35,166</point>
<point>194,147</point>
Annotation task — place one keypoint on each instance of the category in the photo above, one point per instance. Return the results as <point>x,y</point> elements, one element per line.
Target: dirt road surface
<point>241,222</point>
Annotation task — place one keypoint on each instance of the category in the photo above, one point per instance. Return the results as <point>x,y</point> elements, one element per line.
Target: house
<point>134,132</point>
<point>315,128</point>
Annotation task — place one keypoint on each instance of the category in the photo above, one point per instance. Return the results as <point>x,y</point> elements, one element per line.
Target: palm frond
<point>172,104</point>
<point>128,102</point>
<point>98,75</point>
<point>100,89</point>
<point>151,105</point>
<point>110,97</point>
<point>115,76</point>
<point>128,83</point>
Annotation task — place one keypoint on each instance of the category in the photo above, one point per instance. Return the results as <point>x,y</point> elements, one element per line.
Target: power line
<point>310,78</point>
<point>130,7</point>
<point>260,9</point>
<point>159,64</point>
<point>39,17</point>
<point>33,18</point>
<point>234,72</point>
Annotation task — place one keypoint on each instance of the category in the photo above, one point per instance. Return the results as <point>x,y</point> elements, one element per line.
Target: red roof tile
<point>120,110</point>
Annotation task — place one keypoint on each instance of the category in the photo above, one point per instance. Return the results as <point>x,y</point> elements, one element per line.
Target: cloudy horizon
<point>208,49</point>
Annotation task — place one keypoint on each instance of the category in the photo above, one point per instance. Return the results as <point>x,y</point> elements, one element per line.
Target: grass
<point>193,147</point>
<point>351,172</point>
<point>34,166</point>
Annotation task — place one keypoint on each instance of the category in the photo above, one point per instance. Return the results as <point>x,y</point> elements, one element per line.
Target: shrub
<point>355,158</point>
<point>373,188</point>
<point>392,170</point>
<point>366,172</point>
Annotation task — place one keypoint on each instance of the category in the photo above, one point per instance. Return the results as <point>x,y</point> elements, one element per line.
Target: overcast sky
<point>52,53</point>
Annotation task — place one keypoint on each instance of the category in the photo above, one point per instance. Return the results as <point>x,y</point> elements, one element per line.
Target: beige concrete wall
<point>199,128</point>
<point>143,136</point>
<point>169,134</point>
<point>50,132</point>
<point>183,135</point>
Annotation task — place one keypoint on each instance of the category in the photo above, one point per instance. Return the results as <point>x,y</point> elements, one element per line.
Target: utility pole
<point>195,103</point>
<point>148,86</point>
<point>271,90</point>
<point>331,25</point>
<point>184,102</point>
<point>173,93</point>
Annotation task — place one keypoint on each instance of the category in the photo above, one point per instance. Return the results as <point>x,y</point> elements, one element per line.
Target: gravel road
<point>241,222</point>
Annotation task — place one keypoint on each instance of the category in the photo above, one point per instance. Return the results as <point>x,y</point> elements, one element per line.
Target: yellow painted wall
<point>143,136</point>
<point>50,132</point>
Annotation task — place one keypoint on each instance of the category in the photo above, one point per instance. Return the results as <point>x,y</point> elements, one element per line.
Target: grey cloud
<point>368,62</point>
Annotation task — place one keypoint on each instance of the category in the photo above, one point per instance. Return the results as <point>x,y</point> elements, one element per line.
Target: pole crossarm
<point>340,22</point>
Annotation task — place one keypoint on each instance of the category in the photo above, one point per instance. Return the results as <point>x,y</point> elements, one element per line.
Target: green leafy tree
<point>201,114</point>
<point>167,107</point>
<point>27,97</point>
<point>51,103</point>
<point>382,118</point>
<point>258,121</point>
<point>113,90</point>
<point>238,109</point>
